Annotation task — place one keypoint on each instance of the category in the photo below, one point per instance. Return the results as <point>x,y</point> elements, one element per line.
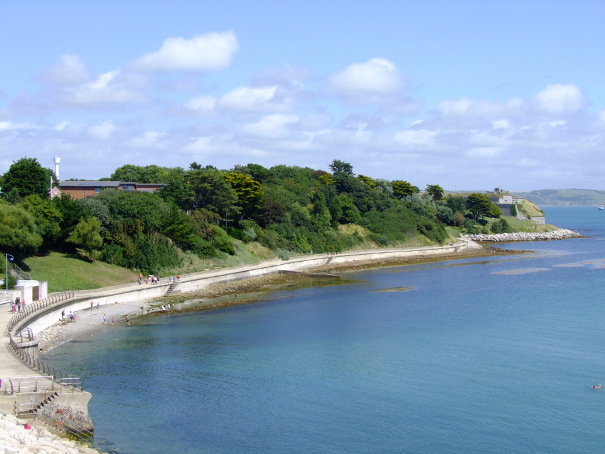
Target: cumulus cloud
<point>560,99</point>
<point>371,82</point>
<point>211,51</point>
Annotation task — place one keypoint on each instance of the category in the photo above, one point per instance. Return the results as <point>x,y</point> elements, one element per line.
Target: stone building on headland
<point>506,201</point>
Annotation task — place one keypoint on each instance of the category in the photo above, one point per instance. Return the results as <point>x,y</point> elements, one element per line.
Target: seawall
<point>75,404</point>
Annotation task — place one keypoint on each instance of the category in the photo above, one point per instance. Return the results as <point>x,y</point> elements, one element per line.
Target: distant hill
<point>564,197</point>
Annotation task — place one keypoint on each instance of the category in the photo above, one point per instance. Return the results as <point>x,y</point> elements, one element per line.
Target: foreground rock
<point>561,234</point>
<point>16,439</point>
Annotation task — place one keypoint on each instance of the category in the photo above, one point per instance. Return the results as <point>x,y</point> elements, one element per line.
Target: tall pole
<point>6,256</point>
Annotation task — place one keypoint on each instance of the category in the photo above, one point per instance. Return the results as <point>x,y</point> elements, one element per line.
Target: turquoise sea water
<point>487,355</point>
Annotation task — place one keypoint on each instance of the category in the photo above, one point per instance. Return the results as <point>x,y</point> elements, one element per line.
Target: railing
<point>20,274</point>
<point>72,383</point>
<point>36,306</point>
<point>33,384</point>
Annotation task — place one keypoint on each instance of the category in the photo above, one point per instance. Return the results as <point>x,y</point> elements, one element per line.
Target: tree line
<point>208,211</point>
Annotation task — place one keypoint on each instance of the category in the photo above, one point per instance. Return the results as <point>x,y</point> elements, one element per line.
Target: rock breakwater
<point>561,234</point>
<point>17,436</point>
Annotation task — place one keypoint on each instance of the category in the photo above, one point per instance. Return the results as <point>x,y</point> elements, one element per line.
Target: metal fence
<point>36,306</point>
<point>68,381</point>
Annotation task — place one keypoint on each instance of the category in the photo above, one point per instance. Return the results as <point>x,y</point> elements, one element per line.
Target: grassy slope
<point>65,272</point>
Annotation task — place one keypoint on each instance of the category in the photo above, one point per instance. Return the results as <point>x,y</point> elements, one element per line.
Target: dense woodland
<point>206,211</point>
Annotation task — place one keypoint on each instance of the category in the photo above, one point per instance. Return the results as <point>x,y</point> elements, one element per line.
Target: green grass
<point>523,225</point>
<point>66,272</point>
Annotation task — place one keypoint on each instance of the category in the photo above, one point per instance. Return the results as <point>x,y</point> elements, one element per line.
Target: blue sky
<point>470,95</point>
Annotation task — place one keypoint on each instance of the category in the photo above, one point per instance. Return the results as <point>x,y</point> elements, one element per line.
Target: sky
<point>469,95</point>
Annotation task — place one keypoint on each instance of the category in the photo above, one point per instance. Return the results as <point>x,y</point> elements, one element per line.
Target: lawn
<point>67,272</point>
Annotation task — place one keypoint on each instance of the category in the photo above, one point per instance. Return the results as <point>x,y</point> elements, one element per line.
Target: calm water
<point>489,355</point>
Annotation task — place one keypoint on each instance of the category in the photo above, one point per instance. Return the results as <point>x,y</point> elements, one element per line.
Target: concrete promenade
<point>11,367</point>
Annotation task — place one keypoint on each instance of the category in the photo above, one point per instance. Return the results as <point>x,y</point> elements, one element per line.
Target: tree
<point>28,177</point>
<point>208,188</point>
<point>47,217</point>
<point>18,231</point>
<point>138,174</point>
<point>435,191</point>
<point>249,193</point>
<point>342,167</point>
<point>402,189</point>
<point>87,236</point>
<point>367,180</point>
<point>71,213</point>
<point>480,205</point>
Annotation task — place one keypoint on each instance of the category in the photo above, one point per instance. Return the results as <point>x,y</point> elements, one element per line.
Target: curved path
<point>10,366</point>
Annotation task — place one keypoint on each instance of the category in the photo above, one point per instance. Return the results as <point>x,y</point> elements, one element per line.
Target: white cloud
<point>470,107</point>
<point>373,81</point>
<point>61,126</point>
<point>208,52</point>
<point>417,138</point>
<point>249,98</point>
<point>202,104</point>
<point>484,152</point>
<point>103,130</point>
<point>271,126</point>
<point>108,88</point>
<point>501,124</point>
<point>149,139</point>
<point>69,71</point>
<point>560,99</point>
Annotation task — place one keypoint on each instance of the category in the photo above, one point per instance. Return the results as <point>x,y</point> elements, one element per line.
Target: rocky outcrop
<point>561,234</point>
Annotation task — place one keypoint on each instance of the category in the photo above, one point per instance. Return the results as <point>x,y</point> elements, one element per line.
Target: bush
<point>500,226</point>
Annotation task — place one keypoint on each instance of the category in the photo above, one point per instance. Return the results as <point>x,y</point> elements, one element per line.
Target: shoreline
<point>246,291</point>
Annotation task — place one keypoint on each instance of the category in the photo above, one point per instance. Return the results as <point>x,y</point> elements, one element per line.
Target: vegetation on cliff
<point>205,217</point>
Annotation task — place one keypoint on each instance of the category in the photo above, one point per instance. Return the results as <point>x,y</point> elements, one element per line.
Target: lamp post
<point>6,256</point>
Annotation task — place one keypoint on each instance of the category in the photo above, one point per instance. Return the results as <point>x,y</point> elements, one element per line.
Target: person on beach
<point>104,319</point>
<point>112,320</point>
<point>127,320</point>
<point>63,315</point>
<point>91,303</point>
<point>72,316</point>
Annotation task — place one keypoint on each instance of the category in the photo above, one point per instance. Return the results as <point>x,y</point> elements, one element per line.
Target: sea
<point>479,355</point>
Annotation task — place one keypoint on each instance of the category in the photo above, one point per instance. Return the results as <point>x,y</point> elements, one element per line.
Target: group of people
<point>113,320</point>
<point>71,316</point>
<point>18,305</point>
<point>156,279</point>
